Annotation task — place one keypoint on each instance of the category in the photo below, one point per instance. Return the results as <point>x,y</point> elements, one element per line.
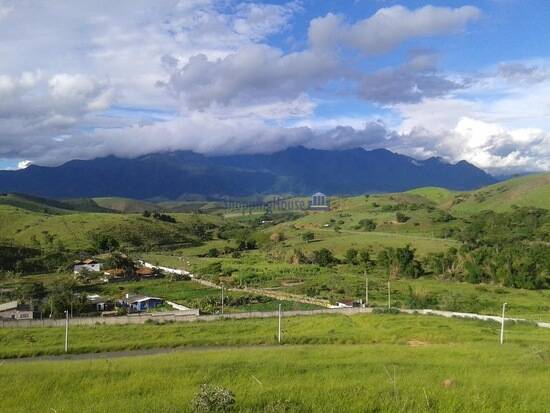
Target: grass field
<point>372,363</point>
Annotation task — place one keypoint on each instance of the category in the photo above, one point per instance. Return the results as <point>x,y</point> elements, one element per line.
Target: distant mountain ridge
<point>296,170</point>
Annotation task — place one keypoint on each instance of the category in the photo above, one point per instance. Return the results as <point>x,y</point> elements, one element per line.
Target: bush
<point>366,224</point>
<point>213,399</point>
<point>401,218</point>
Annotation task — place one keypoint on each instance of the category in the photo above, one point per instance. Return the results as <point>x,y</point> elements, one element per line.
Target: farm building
<point>15,311</point>
<point>88,265</point>
<point>139,303</point>
<point>100,303</point>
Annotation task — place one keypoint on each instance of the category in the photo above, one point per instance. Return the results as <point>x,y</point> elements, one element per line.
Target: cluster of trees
<point>47,253</point>
<point>159,216</point>
<point>510,248</point>
<point>326,258</point>
<point>63,294</point>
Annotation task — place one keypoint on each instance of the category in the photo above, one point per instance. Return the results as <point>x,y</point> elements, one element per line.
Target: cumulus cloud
<point>88,85</point>
<point>257,73</point>
<point>35,110</point>
<point>389,27</point>
<point>409,83</point>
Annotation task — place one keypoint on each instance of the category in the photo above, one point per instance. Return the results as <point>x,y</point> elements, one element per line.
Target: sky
<point>450,79</point>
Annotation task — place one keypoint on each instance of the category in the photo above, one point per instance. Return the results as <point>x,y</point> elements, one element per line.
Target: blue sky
<point>455,79</point>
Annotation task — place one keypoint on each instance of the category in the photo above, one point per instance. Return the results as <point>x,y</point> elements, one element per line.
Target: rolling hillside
<point>126,205</point>
<point>74,230</point>
<point>50,206</point>
<point>532,190</point>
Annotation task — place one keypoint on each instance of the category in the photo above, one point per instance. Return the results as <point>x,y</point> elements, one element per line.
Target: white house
<point>15,311</point>
<point>88,265</point>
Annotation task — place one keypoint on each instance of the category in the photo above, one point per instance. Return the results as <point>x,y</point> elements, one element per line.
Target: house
<point>319,202</point>
<point>87,265</point>
<point>15,311</point>
<point>347,304</point>
<point>139,303</point>
<point>100,303</point>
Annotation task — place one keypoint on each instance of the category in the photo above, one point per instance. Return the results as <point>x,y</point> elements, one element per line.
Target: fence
<point>116,320</point>
<point>180,316</point>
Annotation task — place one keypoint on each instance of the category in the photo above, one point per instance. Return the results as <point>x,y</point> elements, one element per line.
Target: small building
<point>319,202</point>
<point>139,303</point>
<point>88,265</point>
<point>348,304</point>
<point>100,303</point>
<point>15,311</point>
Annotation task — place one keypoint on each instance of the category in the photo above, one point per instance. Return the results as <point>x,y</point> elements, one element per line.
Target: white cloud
<point>82,87</point>
<point>256,73</point>
<point>389,27</point>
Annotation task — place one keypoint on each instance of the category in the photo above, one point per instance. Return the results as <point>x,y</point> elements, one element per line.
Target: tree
<point>103,242</point>
<point>400,261</point>
<point>323,257</point>
<point>351,256</point>
<point>308,236</point>
<point>365,260</point>
<point>34,291</point>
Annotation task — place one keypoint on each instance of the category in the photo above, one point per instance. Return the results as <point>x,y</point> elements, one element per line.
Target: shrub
<point>366,224</point>
<point>401,218</point>
<point>308,236</point>
<point>213,253</point>
<point>213,399</point>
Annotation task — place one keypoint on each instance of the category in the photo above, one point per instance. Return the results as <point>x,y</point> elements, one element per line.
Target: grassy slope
<point>438,196</point>
<point>319,371</point>
<point>73,229</point>
<point>126,205</point>
<point>533,190</point>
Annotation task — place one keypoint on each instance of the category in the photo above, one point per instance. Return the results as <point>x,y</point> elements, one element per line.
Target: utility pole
<point>389,294</point>
<point>366,289</point>
<point>280,315</point>
<point>222,298</point>
<point>66,331</point>
<point>502,324</point>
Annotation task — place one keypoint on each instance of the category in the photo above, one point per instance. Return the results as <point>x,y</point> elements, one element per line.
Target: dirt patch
<point>448,383</point>
<point>417,343</point>
<point>292,283</point>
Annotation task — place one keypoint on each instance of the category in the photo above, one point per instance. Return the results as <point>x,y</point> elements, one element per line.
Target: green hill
<point>126,205</point>
<point>50,206</point>
<point>532,190</point>
<point>25,227</point>
<point>439,196</point>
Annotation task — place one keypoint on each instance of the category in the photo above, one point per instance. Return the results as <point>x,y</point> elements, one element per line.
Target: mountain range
<point>296,170</point>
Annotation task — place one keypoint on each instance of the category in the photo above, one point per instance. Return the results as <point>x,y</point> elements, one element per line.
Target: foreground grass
<point>320,329</point>
<point>452,366</point>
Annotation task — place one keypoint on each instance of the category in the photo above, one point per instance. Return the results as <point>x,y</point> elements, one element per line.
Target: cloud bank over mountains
<point>225,77</point>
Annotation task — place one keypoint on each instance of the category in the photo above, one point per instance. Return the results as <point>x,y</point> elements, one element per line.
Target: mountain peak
<point>297,170</point>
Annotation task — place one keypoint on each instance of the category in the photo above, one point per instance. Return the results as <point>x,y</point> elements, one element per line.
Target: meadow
<point>372,363</point>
